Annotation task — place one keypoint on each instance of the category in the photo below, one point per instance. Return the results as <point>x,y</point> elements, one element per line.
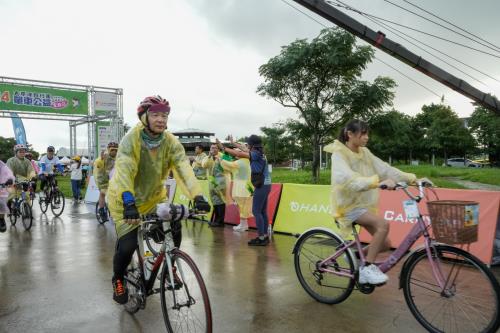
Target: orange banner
<point>391,208</point>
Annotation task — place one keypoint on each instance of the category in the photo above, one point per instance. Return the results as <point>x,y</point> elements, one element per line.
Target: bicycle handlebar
<point>404,186</point>
<point>169,212</point>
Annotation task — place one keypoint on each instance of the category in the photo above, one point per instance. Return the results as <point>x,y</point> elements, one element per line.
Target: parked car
<point>461,162</point>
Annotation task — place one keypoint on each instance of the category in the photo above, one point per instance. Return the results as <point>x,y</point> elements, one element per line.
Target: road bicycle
<point>20,206</point>
<point>185,303</point>
<point>53,197</point>
<point>446,288</point>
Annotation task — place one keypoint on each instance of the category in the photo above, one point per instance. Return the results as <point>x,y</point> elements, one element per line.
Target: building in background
<point>192,137</point>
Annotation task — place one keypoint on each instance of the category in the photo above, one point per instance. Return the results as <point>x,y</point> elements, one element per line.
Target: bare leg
<point>379,229</point>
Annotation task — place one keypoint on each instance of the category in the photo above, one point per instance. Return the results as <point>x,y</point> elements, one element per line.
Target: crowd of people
<point>131,178</point>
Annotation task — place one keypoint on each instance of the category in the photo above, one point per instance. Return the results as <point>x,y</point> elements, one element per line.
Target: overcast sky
<point>203,56</point>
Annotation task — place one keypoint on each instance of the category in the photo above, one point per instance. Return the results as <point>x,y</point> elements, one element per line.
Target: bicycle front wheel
<point>185,307</point>
<point>469,301</point>
<point>43,202</point>
<point>13,215</point>
<point>314,247</point>
<point>26,215</point>
<point>57,203</point>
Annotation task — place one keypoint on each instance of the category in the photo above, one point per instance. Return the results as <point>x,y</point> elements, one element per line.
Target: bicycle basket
<point>454,221</point>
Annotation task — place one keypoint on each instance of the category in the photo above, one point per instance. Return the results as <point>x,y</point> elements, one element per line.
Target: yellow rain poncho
<point>143,172</point>
<point>218,180</point>
<point>21,168</point>
<point>355,178</point>
<point>199,171</point>
<point>242,186</point>
<point>102,168</point>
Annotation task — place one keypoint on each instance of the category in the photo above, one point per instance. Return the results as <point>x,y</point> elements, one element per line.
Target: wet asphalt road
<point>57,278</point>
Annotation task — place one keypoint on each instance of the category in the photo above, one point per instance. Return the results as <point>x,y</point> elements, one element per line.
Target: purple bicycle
<point>446,288</point>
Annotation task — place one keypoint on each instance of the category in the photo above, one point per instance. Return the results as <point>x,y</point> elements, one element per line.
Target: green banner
<point>181,198</point>
<point>303,207</point>
<point>18,97</point>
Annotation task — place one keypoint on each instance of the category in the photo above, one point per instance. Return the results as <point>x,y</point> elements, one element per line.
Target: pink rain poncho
<point>5,174</point>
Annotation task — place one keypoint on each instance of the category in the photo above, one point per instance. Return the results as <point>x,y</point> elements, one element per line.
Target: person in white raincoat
<point>146,156</point>
<point>356,176</point>
<point>242,189</point>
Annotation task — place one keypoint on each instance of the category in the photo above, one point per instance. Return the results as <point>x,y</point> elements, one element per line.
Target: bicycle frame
<point>413,235</point>
<point>164,253</point>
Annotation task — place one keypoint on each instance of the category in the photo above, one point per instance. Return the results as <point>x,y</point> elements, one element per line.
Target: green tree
<point>274,143</point>
<point>391,136</point>
<point>6,148</point>
<point>485,125</point>
<point>444,132</point>
<point>320,79</point>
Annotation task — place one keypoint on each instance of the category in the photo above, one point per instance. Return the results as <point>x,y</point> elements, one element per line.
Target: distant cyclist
<point>35,166</point>
<point>356,176</point>
<point>145,158</point>
<point>21,167</point>
<point>102,169</point>
<point>49,164</point>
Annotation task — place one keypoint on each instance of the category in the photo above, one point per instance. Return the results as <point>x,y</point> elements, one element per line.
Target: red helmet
<point>153,104</point>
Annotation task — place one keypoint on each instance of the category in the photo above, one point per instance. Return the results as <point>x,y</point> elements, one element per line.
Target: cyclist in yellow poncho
<point>356,176</point>
<point>102,169</point>
<point>146,156</point>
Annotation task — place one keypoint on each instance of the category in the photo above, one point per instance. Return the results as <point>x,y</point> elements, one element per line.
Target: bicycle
<point>53,196</point>
<point>20,206</point>
<point>98,216</point>
<point>185,303</point>
<point>445,287</point>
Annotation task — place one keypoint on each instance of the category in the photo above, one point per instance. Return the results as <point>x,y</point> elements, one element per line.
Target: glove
<point>200,204</point>
<point>9,182</point>
<point>130,212</point>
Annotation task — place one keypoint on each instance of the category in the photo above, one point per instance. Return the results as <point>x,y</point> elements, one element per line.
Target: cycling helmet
<point>153,104</point>
<point>112,144</point>
<point>77,158</point>
<point>51,148</point>
<point>19,147</point>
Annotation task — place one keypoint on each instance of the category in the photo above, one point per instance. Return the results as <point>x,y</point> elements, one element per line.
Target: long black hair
<point>355,126</point>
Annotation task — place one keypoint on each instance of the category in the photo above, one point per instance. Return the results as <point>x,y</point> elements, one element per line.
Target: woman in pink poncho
<point>6,176</point>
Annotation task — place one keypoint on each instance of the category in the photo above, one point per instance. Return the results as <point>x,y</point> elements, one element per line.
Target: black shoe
<point>120,292</point>
<point>216,225</point>
<point>258,241</point>
<point>3,226</point>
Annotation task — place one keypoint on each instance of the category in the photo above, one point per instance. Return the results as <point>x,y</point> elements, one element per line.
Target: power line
<point>435,56</point>
<point>392,29</point>
<point>441,25</point>
<point>383,62</point>
<point>450,23</point>
<point>347,7</point>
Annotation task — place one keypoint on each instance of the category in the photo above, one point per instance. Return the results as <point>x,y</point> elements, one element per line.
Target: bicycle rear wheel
<point>26,215</point>
<point>57,203</point>
<point>470,301</point>
<point>185,309</point>
<point>313,247</point>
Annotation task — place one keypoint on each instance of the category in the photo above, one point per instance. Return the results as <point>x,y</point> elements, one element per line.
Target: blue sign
<point>19,132</point>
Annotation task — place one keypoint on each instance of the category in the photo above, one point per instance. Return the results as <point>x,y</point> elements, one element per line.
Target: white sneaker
<point>243,226</point>
<point>372,275</point>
